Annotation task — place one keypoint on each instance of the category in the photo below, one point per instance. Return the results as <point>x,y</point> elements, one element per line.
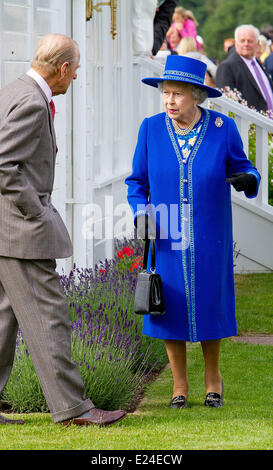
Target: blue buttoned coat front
<point>191,203</point>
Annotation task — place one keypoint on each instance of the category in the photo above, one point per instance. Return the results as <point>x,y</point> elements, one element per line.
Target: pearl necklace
<point>186,131</point>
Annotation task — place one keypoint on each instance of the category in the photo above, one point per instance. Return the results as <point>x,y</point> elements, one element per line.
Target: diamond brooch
<point>218,122</point>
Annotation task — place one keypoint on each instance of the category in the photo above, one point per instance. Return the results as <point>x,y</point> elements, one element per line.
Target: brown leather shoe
<point>98,417</point>
<point>4,420</point>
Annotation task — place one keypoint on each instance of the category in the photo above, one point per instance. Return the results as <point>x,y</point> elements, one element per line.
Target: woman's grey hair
<point>246,26</point>
<point>198,93</point>
<point>53,50</point>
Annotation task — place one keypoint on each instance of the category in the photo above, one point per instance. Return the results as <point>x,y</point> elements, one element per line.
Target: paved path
<point>255,338</point>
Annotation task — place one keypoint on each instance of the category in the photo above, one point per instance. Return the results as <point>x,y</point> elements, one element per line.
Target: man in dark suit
<point>32,235</point>
<point>241,70</point>
<point>162,22</point>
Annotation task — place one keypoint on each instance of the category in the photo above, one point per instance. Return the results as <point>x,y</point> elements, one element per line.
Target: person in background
<point>200,41</point>
<point>267,31</point>
<point>268,63</point>
<point>162,22</point>
<point>229,45</point>
<point>185,23</point>
<point>173,40</point>
<point>187,47</point>
<point>164,46</point>
<point>263,49</point>
<point>241,70</point>
<point>187,44</point>
<point>185,159</point>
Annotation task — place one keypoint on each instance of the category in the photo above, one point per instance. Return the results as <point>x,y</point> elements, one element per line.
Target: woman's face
<point>174,38</point>
<point>178,101</point>
<point>178,18</point>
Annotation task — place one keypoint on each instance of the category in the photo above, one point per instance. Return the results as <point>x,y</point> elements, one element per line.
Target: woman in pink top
<point>185,23</point>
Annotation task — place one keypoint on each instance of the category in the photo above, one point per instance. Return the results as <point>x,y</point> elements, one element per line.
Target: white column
<point>262,163</point>
<point>79,136</point>
<point>143,13</point>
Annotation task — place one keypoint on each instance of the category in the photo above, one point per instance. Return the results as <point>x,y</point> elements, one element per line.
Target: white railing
<point>244,117</point>
<point>252,218</point>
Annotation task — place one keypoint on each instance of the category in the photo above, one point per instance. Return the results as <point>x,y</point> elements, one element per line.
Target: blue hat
<point>184,69</point>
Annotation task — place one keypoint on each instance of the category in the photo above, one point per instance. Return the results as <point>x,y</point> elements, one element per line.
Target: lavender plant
<point>112,355</point>
<point>23,392</point>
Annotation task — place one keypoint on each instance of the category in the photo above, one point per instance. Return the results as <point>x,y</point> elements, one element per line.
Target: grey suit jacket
<point>30,227</point>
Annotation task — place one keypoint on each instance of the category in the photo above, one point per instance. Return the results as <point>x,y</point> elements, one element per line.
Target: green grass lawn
<point>254,303</point>
<point>245,422</point>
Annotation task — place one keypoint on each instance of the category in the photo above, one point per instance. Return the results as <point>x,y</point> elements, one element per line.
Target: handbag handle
<point>146,252</point>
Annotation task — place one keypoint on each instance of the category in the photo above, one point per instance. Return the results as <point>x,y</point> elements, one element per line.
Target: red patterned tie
<point>52,107</point>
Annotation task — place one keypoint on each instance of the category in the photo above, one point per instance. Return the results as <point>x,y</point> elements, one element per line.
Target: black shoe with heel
<point>215,400</point>
<point>178,402</point>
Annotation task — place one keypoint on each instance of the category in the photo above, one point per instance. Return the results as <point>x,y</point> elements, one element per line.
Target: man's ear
<point>64,68</point>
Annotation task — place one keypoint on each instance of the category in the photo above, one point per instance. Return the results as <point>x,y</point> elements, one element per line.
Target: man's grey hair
<point>197,92</point>
<point>246,26</point>
<point>53,50</point>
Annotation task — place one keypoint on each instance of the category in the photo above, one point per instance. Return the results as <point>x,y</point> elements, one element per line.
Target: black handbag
<point>148,293</point>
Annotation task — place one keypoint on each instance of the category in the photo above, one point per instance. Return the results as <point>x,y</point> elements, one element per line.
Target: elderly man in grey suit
<point>33,235</point>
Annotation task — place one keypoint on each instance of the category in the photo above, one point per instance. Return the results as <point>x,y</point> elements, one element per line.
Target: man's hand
<point>145,227</point>
<point>243,182</point>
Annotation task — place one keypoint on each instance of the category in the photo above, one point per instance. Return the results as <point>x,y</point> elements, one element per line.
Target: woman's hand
<point>179,26</point>
<point>243,182</point>
<point>145,227</point>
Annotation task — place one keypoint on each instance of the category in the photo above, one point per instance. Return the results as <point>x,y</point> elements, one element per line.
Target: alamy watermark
<point>109,221</point>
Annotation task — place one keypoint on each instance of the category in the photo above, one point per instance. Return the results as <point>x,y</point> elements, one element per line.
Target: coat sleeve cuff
<point>258,178</point>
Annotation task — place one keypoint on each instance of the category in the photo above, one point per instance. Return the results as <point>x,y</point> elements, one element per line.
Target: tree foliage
<point>218,19</point>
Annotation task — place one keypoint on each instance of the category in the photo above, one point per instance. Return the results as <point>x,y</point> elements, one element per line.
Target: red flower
<point>126,251</point>
<point>135,266</point>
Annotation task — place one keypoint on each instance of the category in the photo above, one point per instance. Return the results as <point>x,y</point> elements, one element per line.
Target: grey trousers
<point>31,297</point>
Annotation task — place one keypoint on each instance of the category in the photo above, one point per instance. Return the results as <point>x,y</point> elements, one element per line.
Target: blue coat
<point>191,203</point>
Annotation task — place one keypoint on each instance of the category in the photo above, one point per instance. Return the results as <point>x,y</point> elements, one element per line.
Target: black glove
<point>145,228</point>
<point>243,182</point>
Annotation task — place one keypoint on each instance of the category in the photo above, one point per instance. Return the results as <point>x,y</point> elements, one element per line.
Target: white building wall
<point>99,184</point>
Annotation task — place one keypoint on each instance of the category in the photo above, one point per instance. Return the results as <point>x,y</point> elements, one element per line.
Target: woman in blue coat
<point>184,162</point>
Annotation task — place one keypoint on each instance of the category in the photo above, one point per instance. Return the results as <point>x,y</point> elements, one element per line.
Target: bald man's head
<point>57,58</point>
<point>53,50</point>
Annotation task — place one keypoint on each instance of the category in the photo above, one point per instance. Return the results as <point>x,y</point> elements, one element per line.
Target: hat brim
<point>154,81</point>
